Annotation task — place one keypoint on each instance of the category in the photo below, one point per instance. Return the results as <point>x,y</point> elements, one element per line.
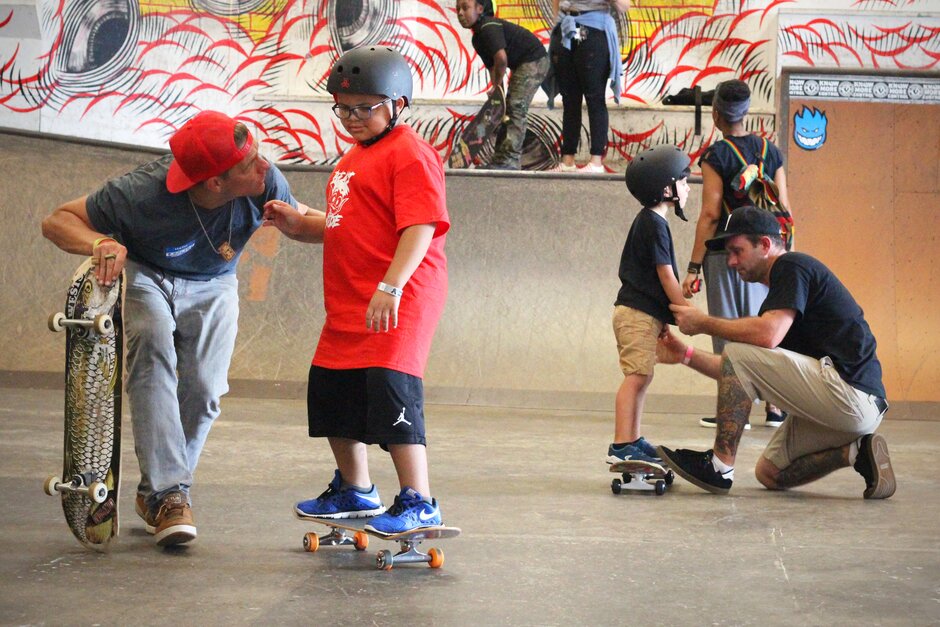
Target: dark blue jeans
<point>582,74</point>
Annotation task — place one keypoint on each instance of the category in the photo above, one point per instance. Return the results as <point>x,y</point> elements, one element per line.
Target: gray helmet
<point>373,70</point>
<point>653,170</point>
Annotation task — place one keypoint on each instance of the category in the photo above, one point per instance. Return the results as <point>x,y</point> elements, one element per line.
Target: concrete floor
<point>544,542</point>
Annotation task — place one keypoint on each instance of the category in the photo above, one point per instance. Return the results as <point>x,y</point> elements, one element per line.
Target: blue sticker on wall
<point>809,128</point>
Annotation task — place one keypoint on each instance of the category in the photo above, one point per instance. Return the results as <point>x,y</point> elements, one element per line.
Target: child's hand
<point>281,215</point>
<point>669,350</point>
<point>382,312</point>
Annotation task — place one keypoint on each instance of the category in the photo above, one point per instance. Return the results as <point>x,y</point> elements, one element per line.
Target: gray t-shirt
<point>583,6</point>
<point>160,229</point>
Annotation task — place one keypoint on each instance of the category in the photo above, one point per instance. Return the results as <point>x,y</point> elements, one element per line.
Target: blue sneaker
<point>338,503</point>
<point>636,452</point>
<point>409,512</point>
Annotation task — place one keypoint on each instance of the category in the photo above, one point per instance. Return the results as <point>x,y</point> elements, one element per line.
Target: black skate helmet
<point>653,170</point>
<point>373,70</point>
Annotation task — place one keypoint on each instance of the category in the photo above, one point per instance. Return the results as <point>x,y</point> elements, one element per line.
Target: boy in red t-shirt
<point>384,283</point>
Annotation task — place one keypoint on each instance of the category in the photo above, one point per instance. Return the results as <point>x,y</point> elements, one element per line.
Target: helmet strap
<point>675,203</point>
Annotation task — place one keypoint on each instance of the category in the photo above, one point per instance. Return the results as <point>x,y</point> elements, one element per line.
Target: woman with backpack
<point>725,182</point>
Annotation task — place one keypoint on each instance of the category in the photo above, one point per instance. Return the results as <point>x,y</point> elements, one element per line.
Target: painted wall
<point>132,71</point>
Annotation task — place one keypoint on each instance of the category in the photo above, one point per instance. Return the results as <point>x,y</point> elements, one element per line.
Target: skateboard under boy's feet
<point>352,532</point>
<point>637,475</point>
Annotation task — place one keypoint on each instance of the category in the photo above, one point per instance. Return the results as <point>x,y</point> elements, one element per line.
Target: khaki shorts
<point>636,334</point>
<point>824,411</point>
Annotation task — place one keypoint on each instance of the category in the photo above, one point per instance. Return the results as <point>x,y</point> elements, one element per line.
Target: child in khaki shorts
<point>649,283</point>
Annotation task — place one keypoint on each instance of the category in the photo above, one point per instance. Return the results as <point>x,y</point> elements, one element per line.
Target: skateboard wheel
<point>616,486</point>
<point>104,325</point>
<point>361,541</point>
<point>670,477</point>
<point>437,558</point>
<point>660,487</point>
<point>98,492</point>
<point>311,542</point>
<point>384,560</point>
<point>49,486</point>
<point>55,322</point>
<point>627,477</point>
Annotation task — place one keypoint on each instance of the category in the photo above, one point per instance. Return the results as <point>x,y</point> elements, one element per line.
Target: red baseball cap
<point>204,147</point>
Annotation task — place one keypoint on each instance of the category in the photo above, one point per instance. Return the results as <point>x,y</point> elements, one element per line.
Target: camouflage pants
<point>523,84</point>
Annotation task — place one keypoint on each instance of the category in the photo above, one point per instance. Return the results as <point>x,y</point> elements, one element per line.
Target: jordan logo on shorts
<point>401,419</point>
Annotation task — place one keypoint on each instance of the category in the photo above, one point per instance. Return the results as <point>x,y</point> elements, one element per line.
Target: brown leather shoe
<point>874,465</point>
<point>140,506</point>
<point>174,520</point>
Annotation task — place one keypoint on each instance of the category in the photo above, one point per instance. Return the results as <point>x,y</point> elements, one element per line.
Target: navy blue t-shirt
<point>160,229</point>
<point>720,156</point>
<point>649,244</point>
<point>828,323</point>
<point>491,34</point>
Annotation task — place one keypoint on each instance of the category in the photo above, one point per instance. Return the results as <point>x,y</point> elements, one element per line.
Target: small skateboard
<point>352,531</point>
<point>480,133</point>
<point>637,475</point>
<point>94,357</point>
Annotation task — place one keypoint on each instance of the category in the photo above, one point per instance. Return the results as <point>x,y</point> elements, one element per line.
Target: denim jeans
<point>582,74</point>
<point>180,335</point>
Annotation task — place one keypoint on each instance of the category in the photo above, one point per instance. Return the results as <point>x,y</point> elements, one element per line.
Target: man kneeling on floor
<point>810,351</point>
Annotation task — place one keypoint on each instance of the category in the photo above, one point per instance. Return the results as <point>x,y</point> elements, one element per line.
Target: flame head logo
<point>809,128</point>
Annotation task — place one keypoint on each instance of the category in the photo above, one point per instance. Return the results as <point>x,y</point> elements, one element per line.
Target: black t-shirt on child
<point>491,34</point>
<point>828,323</point>
<point>649,244</point>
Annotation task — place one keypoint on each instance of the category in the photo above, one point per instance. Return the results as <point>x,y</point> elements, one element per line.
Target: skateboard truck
<point>102,323</point>
<point>336,537</point>
<point>409,554</point>
<point>81,484</point>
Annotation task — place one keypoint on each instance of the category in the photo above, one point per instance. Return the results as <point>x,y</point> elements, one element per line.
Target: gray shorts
<point>824,411</point>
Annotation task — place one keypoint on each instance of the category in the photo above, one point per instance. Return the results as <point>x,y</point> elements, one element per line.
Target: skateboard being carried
<point>352,532</point>
<point>637,475</point>
<point>94,357</point>
<point>480,133</point>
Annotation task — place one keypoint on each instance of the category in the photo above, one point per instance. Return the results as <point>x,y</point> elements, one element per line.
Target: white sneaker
<point>592,168</point>
<point>562,167</point>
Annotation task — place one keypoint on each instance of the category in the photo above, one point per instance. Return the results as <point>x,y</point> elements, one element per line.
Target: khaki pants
<point>824,411</point>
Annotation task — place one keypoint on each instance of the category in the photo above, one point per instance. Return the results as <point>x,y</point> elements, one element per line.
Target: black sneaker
<point>713,422</point>
<point>774,419</point>
<point>696,468</point>
<point>874,465</point>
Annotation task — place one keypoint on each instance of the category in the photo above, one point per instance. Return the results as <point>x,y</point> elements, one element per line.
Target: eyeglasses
<point>362,112</point>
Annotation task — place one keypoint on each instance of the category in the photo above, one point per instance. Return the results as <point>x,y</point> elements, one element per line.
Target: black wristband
<point>694,268</point>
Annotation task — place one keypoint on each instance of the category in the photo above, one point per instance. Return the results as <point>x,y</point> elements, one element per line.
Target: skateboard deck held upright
<point>352,531</point>
<point>480,132</point>
<point>94,358</point>
<point>637,475</point>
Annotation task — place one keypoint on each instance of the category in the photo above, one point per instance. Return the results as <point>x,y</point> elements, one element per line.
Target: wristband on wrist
<point>694,268</point>
<point>688,355</point>
<point>390,289</point>
<point>99,240</point>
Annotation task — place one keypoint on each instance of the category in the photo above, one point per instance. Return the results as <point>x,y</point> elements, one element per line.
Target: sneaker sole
<point>693,480</point>
<point>885,483</point>
<point>367,513</point>
<point>704,423</point>
<point>177,534</point>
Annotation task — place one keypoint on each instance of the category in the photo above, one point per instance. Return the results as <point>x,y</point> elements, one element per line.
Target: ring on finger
<point>110,256</point>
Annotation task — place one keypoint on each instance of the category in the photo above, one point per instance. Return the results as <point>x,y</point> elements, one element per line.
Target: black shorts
<point>371,405</point>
